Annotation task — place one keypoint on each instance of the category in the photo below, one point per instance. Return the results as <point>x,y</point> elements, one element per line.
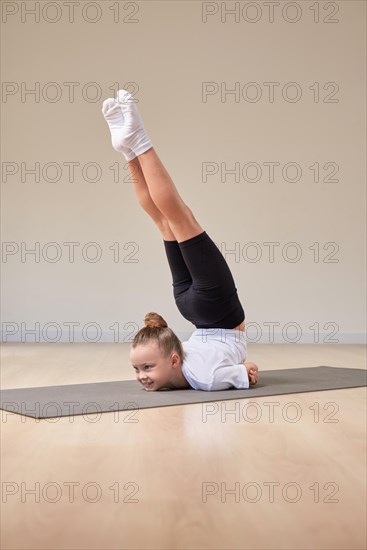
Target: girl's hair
<point>157,329</point>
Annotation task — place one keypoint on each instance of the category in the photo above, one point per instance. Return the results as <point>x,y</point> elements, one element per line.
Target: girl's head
<point>156,354</point>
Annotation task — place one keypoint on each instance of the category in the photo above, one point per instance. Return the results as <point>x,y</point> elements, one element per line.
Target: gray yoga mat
<point>101,397</point>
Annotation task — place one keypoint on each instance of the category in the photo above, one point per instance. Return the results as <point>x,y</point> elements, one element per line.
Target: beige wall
<point>181,68</point>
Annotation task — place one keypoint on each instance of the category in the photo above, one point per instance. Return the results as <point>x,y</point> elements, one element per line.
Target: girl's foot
<point>126,125</point>
<point>253,373</point>
<point>113,115</point>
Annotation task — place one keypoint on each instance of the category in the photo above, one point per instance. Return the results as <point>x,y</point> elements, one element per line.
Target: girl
<point>203,286</point>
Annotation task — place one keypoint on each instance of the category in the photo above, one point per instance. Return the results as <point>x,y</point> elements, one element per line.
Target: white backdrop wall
<point>258,112</point>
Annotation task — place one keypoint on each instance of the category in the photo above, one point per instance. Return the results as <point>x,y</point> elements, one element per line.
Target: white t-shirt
<point>214,359</point>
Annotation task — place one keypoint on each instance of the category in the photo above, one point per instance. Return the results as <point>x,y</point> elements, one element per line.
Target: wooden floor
<point>287,472</point>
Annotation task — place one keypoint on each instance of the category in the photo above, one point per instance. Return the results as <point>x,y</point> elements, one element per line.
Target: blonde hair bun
<point>153,320</point>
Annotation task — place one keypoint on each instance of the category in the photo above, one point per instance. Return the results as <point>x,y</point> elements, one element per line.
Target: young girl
<point>203,286</point>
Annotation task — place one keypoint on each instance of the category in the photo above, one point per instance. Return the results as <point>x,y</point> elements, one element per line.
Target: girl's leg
<point>180,274</point>
<point>166,197</point>
<point>146,202</point>
<point>129,137</point>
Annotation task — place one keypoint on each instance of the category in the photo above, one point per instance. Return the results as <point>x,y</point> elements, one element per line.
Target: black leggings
<point>203,284</point>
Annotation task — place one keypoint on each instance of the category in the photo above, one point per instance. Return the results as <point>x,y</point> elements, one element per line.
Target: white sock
<point>134,135</point>
<point>115,119</point>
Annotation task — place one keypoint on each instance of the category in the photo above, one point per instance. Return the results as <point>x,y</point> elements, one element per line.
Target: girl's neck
<point>178,380</point>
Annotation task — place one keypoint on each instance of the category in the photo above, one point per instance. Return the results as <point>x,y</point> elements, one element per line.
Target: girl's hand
<point>253,373</point>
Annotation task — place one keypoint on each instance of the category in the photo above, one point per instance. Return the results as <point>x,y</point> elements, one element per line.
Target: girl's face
<point>153,370</point>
